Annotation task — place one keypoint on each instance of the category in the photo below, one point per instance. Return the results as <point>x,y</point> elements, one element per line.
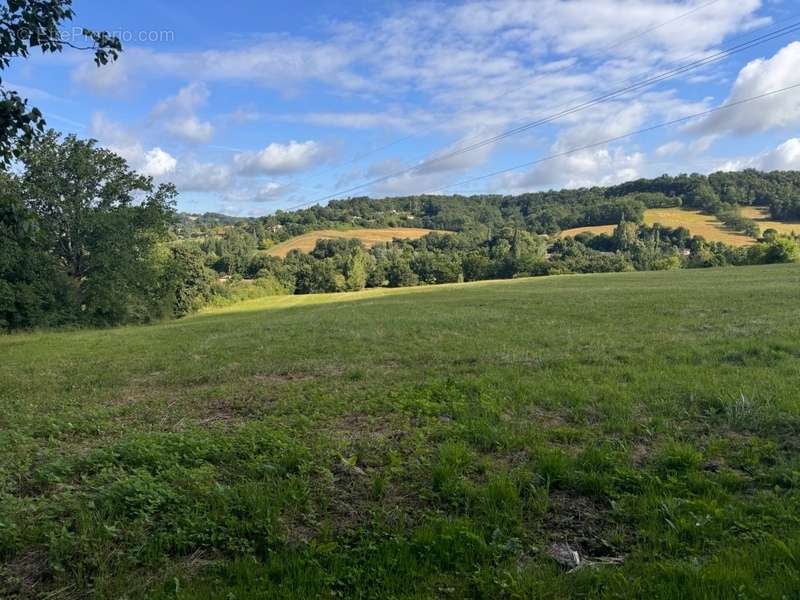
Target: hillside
<point>761,216</point>
<point>422,442</point>
<point>707,226</point>
<point>369,237</point>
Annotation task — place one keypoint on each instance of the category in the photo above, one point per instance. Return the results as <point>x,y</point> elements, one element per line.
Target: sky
<point>250,107</point>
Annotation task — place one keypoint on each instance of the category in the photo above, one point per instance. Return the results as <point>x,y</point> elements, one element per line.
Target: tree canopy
<point>26,25</point>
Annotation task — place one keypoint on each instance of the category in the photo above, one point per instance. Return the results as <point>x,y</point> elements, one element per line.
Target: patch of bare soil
<point>584,525</point>
<point>25,575</point>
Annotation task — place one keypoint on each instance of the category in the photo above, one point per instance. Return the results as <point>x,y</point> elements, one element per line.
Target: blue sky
<point>250,107</point>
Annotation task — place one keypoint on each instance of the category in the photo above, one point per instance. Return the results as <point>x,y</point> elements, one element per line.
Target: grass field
<point>436,442</point>
<point>370,237</point>
<point>761,216</point>
<point>696,222</point>
<point>593,229</point>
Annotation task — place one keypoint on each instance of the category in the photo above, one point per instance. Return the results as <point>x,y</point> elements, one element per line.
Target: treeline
<point>550,212</point>
<point>83,241</point>
<point>86,241</point>
<point>340,265</point>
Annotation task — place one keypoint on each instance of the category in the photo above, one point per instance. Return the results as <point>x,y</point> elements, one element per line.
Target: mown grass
<point>416,443</point>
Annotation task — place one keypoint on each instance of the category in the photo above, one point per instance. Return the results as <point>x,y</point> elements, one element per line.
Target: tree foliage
<point>79,210</point>
<point>24,26</point>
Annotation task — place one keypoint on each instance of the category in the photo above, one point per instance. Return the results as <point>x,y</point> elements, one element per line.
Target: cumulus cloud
<point>498,63</point>
<point>196,176</point>
<point>281,158</point>
<point>758,77</point>
<point>154,162</point>
<point>178,114</point>
<point>602,166</point>
<point>157,163</point>
<point>190,129</point>
<point>785,157</point>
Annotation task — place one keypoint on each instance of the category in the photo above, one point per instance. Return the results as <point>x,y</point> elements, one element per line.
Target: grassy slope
<point>761,216</point>
<point>370,237</point>
<point>696,222</point>
<point>648,416</point>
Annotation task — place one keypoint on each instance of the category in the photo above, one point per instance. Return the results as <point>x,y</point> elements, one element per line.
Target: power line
<point>622,41</point>
<point>662,25</point>
<point>620,137</point>
<point>719,56</point>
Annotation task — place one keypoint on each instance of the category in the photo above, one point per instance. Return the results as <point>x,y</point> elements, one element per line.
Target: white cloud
<point>493,62</point>
<point>116,137</point>
<point>758,77</point>
<point>157,163</point>
<point>270,191</point>
<point>281,158</point>
<point>190,129</point>
<point>187,99</point>
<point>154,162</point>
<point>444,68</point>
<point>602,166</point>
<point>702,144</point>
<point>604,122</point>
<point>785,157</point>
<point>410,183</point>
<point>112,79</point>
<point>449,159</point>
<point>669,149</point>
<point>194,176</point>
<point>178,114</point>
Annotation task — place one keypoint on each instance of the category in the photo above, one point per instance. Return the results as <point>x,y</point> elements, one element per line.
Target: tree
<point>27,24</point>
<point>400,274</point>
<point>781,250</point>
<point>191,281</point>
<point>356,269</point>
<point>33,293</point>
<point>235,250</point>
<point>102,221</point>
<point>625,235</point>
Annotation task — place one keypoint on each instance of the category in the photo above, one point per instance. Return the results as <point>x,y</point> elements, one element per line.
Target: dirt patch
<point>585,525</point>
<point>639,453</point>
<point>546,418</point>
<point>360,426</point>
<point>25,575</point>
<point>284,377</point>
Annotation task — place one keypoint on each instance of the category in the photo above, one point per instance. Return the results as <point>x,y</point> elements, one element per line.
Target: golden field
<point>369,237</point>
<point>698,223</point>
<point>761,216</point>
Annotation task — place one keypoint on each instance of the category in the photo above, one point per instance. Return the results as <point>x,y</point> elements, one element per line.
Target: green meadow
<point>432,442</point>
